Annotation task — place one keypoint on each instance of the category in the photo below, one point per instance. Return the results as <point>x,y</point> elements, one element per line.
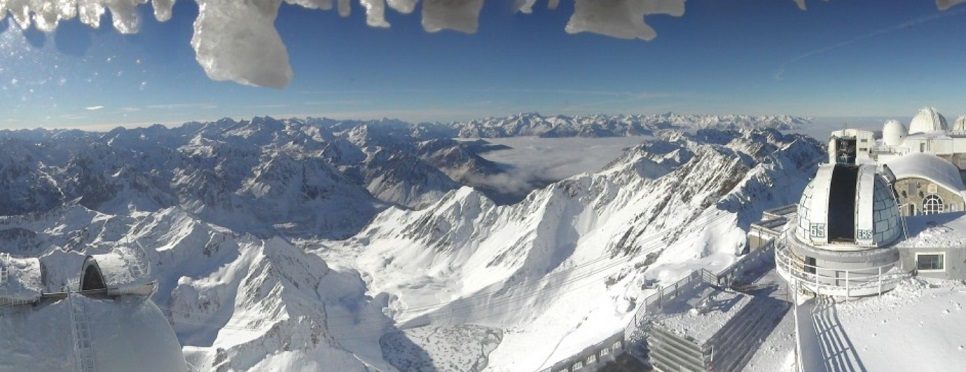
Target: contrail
<point>780,74</point>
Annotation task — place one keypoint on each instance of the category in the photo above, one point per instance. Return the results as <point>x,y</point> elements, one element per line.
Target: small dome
<point>893,132</point>
<point>928,120</point>
<point>960,125</point>
<point>848,208</point>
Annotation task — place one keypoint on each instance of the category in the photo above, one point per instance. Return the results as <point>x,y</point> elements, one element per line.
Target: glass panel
<point>929,262</point>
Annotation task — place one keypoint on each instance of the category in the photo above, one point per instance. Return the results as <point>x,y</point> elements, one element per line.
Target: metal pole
<point>816,279</point>
<point>880,280</point>
<point>847,289</point>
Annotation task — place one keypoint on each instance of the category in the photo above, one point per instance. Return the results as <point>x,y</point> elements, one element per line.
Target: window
<point>930,261</point>
<point>810,265</point>
<point>932,204</point>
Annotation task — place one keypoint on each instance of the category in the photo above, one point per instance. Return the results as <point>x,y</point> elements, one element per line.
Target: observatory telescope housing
<point>843,243</point>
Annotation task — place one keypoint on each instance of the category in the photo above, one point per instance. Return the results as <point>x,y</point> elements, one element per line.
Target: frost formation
<point>236,40</point>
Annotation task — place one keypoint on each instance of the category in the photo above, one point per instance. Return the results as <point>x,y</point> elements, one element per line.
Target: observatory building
<point>102,320</point>
<point>928,160</point>
<point>843,240</point>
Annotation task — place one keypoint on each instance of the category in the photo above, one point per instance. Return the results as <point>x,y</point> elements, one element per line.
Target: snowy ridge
<point>533,124</point>
<point>667,207</point>
<point>265,176</point>
<point>252,276</point>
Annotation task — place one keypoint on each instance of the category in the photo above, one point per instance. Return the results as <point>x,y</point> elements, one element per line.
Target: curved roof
<point>928,120</point>
<point>848,208</point>
<point>930,167</point>
<point>122,267</point>
<point>960,125</point>
<point>125,335</point>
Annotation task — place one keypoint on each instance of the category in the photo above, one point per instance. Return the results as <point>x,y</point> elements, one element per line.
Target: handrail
<point>783,256</point>
<point>796,269</point>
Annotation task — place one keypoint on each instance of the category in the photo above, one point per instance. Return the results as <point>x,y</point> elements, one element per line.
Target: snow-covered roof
<point>678,317</point>
<point>129,334</point>
<point>936,231</point>
<point>122,267</point>
<point>929,167</point>
<point>848,207</point>
<point>928,120</point>
<point>20,279</point>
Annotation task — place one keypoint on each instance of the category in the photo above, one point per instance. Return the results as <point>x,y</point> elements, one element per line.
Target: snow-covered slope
<point>576,254</point>
<point>214,207</point>
<point>235,301</point>
<point>264,176</point>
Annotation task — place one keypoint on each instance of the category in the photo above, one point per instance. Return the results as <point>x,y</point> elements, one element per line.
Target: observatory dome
<point>84,333</point>
<point>848,208</point>
<point>928,120</point>
<point>960,125</point>
<point>893,132</point>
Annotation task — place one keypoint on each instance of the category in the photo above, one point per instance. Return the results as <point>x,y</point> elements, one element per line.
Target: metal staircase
<point>83,343</point>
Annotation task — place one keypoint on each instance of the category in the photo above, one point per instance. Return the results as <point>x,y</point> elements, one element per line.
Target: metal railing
<point>599,353</point>
<point>4,272</point>
<point>835,282</point>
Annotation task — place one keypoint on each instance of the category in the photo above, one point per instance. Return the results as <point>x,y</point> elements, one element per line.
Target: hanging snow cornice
<point>236,40</point>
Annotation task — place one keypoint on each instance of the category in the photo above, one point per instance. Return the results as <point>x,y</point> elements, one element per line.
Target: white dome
<point>893,132</point>
<point>960,125</point>
<point>123,334</point>
<point>847,208</point>
<point>928,120</point>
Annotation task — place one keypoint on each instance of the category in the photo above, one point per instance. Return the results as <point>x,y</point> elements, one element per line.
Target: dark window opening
<point>845,150</point>
<point>810,265</point>
<point>929,262</point>
<point>92,279</point>
<point>841,203</point>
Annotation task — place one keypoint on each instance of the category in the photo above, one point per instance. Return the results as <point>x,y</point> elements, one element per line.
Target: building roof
<point>678,318</point>
<point>928,120</point>
<point>20,279</point>
<point>848,208</point>
<point>123,267</point>
<point>929,167</point>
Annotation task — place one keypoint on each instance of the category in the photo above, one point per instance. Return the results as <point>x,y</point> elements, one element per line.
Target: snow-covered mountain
<point>576,255</point>
<point>322,245</point>
<point>264,176</point>
<point>532,124</point>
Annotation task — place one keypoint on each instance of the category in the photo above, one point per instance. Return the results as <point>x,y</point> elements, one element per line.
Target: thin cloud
<point>93,108</point>
<point>780,74</point>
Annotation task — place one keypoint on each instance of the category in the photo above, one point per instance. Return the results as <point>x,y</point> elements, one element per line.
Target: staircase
<point>83,343</point>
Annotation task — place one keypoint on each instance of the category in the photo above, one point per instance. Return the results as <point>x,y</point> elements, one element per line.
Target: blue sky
<point>839,58</point>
